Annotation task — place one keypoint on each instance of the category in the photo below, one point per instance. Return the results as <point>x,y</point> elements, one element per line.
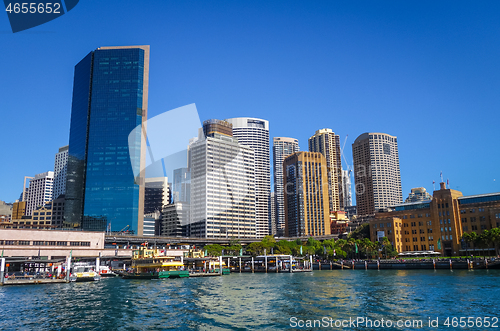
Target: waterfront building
<point>222,186</point>
<point>326,142</point>
<point>376,172</point>
<point>418,194</point>
<point>182,185</point>
<point>437,224</point>
<point>282,147</point>
<point>254,133</point>
<point>60,170</point>
<point>40,191</point>
<point>156,195</point>
<point>307,211</point>
<point>105,176</point>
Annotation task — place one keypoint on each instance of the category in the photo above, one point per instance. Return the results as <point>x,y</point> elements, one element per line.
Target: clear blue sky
<point>425,71</point>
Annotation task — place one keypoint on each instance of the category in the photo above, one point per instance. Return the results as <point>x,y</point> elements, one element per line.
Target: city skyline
<point>416,74</point>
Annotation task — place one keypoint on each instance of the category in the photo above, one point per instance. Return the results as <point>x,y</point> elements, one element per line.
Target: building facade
<point>346,188</point>
<point>40,191</point>
<point>222,188</point>
<point>181,190</point>
<point>376,172</point>
<point>272,213</point>
<point>105,177</point>
<point>254,133</point>
<point>282,147</point>
<point>326,142</point>
<point>307,211</point>
<point>156,195</point>
<point>437,224</point>
<point>60,170</point>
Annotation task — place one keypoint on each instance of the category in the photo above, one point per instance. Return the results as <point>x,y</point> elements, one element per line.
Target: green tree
<point>214,250</point>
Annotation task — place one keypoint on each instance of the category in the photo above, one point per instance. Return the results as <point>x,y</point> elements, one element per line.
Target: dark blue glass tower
<point>105,185</point>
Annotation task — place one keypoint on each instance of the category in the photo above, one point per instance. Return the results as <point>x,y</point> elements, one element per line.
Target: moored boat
<point>83,273</point>
<point>154,264</point>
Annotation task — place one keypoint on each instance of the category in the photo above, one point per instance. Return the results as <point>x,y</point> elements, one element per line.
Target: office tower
<point>222,186</point>
<point>272,213</point>
<point>40,191</point>
<point>60,169</point>
<point>282,147</point>
<point>175,220</point>
<point>376,172</point>
<point>105,178</point>
<point>326,142</point>
<point>346,188</point>
<point>156,194</point>
<point>254,133</point>
<point>418,194</point>
<point>182,185</point>
<point>306,195</point>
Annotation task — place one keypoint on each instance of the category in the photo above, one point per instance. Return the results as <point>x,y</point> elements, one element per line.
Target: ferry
<point>84,273</point>
<point>154,264</point>
<point>104,271</point>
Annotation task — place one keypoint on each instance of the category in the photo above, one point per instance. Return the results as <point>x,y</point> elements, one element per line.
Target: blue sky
<point>425,71</point>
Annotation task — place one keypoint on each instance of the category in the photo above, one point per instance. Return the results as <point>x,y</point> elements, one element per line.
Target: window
<point>422,238</point>
<point>466,228</point>
<point>24,242</point>
<point>462,211</point>
<point>429,230</point>
<point>74,243</point>
<point>422,231</point>
<point>420,223</point>
<point>388,225</point>
<point>431,238</point>
<point>374,226</point>
<point>472,219</point>
<point>483,227</point>
<point>413,231</point>
<point>413,223</point>
<point>415,239</point>
<point>38,243</point>
<point>464,219</point>
<point>431,247</point>
<point>429,222</point>
<point>473,210</point>
<point>412,216</point>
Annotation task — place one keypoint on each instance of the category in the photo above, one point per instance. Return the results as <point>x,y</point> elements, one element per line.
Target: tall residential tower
<point>105,178</point>
<point>326,142</point>
<point>282,147</point>
<point>376,172</point>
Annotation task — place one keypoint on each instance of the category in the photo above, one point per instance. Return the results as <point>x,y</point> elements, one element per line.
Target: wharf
<point>204,274</point>
<point>40,281</point>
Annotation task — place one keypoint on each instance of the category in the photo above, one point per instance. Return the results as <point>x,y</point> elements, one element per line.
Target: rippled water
<point>252,301</point>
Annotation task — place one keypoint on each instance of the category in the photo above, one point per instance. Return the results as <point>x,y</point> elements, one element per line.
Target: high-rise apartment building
<point>40,191</point>
<point>306,195</point>
<point>282,147</point>
<point>376,172</point>
<point>105,178</point>
<point>418,194</point>
<point>222,186</point>
<point>326,142</point>
<point>60,169</point>
<point>254,133</point>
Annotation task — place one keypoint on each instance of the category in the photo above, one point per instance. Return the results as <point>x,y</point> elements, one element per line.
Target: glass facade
<point>107,106</point>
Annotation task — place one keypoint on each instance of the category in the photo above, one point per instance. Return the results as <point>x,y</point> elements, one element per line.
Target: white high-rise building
<point>346,188</point>
<point>282,147</point>
<point>254,133</point>
<point>222,185</point>
<point>60,169</point>
<point>40,191</point>
<point>376,172</point>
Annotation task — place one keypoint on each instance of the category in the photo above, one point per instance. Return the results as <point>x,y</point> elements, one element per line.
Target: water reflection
<point>250,301</point>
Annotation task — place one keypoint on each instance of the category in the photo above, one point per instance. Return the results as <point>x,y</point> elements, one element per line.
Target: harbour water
<point>257,301</point>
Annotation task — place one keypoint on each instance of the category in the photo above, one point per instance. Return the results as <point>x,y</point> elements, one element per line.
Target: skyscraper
<point>282,147</point>
<point>326,142</point>
<point>182,185</point>
<point>346,188</point>
<point>254,133</point>
<point>40,191</point>
<point>222,186</point>
<point>60,169</point>
<point>306,195</point>
<point>376,172</point>
<point>110,98</point>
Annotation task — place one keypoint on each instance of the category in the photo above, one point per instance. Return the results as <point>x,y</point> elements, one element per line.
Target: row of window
<point>43,243</point>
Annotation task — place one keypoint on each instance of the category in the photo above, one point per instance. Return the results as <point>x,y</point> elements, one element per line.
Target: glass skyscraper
<point>105,185</point>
